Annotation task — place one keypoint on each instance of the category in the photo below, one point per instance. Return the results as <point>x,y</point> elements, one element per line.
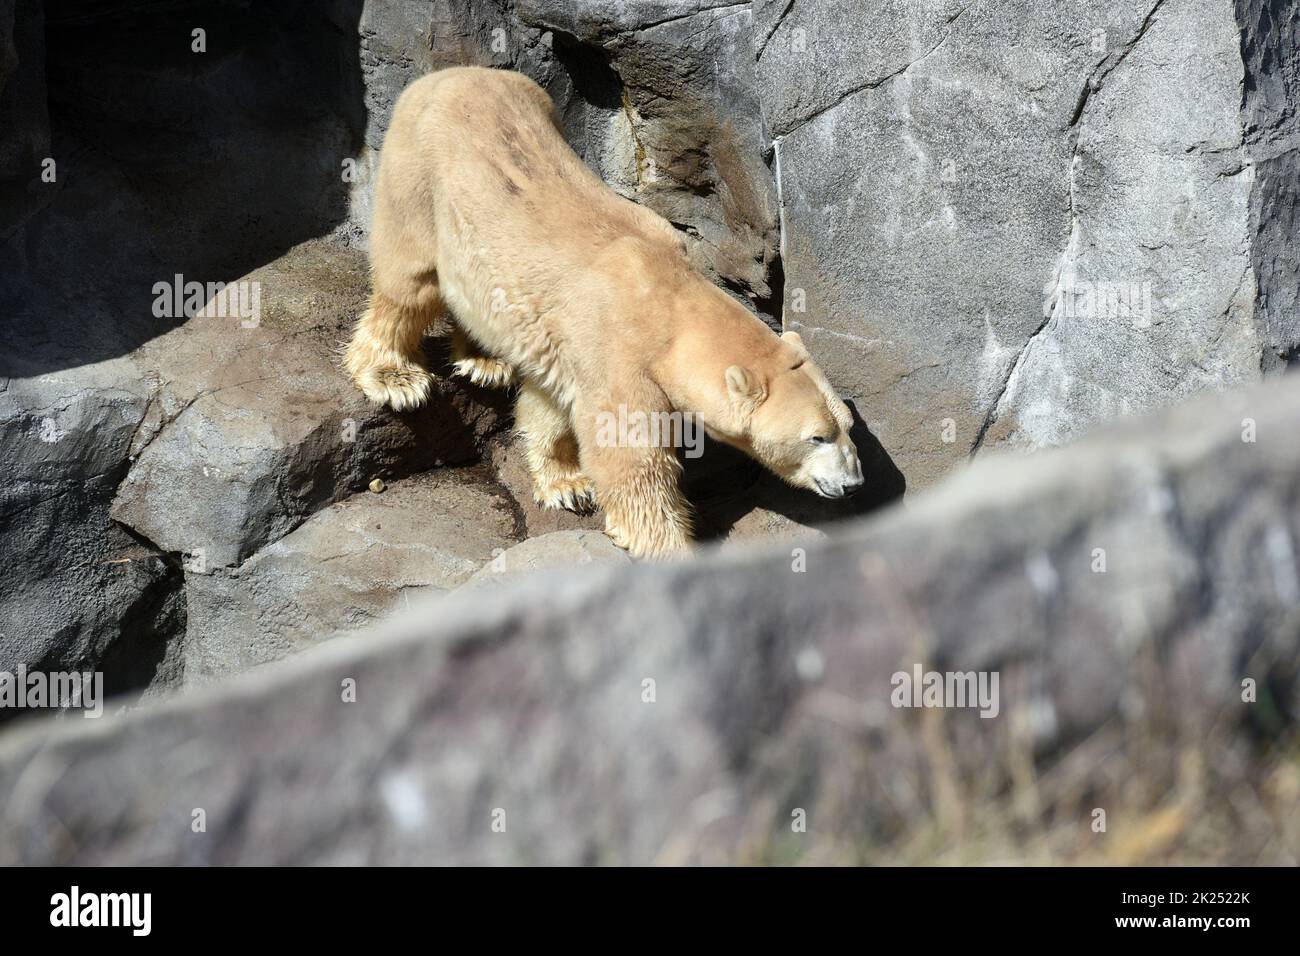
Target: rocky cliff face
<point>1082,173</point>
<point>995,223</point>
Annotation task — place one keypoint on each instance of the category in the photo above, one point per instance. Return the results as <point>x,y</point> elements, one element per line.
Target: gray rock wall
<point>1008,222</point>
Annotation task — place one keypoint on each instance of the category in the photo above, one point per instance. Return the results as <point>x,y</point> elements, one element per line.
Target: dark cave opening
<point>192,138</point>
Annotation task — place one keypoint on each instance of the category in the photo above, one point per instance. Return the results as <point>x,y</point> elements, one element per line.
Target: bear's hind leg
<point>471,362</point>
<point>551,451</point>
<point>385,355</point>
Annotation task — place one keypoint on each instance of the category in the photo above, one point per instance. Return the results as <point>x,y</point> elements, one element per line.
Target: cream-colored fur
<point>585,298</point>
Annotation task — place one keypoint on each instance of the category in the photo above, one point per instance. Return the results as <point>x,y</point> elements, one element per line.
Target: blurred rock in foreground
<point>1136,596</point>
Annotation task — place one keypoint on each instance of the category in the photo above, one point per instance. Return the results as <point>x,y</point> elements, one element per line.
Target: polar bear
<point>488,227</point>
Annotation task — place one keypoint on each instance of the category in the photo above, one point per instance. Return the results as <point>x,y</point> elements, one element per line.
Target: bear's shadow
<point>725,485</point>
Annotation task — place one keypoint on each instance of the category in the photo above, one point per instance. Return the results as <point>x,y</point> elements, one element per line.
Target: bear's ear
<point>743,386</point>
<point>793,340</point>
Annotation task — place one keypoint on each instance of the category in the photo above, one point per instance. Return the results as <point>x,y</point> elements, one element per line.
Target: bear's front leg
<point>637,486</point>
<point>385,356</point>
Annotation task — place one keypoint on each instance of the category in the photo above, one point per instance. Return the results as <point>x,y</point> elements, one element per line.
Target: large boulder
<point>76,584</point>
<point>571,550</point>
<point>250,430</point>
<point>348,566</point>
<point>253,427</point>
<point>1125,609</point>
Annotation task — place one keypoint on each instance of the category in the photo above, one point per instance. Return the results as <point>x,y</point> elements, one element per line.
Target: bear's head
<point>788,417</point>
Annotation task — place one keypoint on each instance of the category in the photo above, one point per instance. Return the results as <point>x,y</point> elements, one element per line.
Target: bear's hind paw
<point>488,372</point>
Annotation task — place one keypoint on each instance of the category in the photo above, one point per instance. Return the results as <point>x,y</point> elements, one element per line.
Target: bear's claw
<point>576,494</point>
<point>488,372</point>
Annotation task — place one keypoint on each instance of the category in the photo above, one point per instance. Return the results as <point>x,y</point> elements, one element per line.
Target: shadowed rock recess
<point>997,224</point>
<point>1123,589</point>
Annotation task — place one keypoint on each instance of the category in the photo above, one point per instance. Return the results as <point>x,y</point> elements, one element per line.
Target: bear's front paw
<point>649,543</point>
<point>619,537</point>
<point>398,386</point>
<point>488,372</point>
<point>574,493</point>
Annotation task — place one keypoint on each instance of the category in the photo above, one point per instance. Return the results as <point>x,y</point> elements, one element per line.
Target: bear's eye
<point>819,440</point>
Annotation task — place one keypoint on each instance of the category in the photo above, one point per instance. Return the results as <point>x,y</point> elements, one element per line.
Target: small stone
<point>377,485</point>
